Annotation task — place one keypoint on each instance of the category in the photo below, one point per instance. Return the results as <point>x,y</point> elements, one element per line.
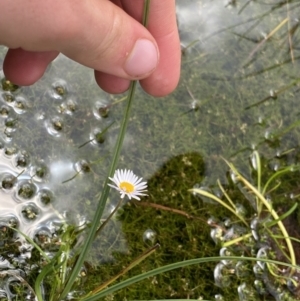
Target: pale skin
<point>104,35</point>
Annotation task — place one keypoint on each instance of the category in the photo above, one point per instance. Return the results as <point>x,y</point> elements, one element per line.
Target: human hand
<point>99,34</point>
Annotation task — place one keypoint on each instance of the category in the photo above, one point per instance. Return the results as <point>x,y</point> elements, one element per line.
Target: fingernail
<point>142,60</point>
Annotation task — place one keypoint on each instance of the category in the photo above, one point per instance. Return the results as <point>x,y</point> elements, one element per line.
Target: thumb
<point>111,41</point>
<point>97,34</point>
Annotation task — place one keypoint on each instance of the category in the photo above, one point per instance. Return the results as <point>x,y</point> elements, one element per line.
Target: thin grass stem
<point>271,210</point>
<point>213,197</point>
<point>177,265</point>
<point>102,201</point>
<point>276,175</point>
<point>236,240</point>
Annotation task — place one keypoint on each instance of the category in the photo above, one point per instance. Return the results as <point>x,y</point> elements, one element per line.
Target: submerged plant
<point>264,237</point>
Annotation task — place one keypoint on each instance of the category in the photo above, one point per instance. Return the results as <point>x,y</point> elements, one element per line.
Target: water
<point>54,154</point>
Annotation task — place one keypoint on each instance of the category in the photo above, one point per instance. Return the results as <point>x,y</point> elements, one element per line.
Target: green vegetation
<point>237,99</point>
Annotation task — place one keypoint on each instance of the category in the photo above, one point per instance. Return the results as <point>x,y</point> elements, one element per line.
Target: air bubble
<point>253,160</point>
<point>8,98</point>
<point>82,166</point>
<point>273,94</point>
<point>3,295</point>
<point>7,85</point>
<point>10,151</point>
<point>149,235</point>
<point>39,171</point>
<point>30,211</point>
<point>258,271</point>
<point>217,235</point>
<point>293,284</point>
<point>254,225</point>
<point>59,89</point>
<point>45,196</point>
<point>222,275</point>
<point>225,252</point>
<point>68,107</point>
<point>242,269</point>
<point>8,181</point>
<point>11,123</point>
<point>22,159</point>
<point>240,210</point>
<point>246,293</point>
<point>234,178</point>
<point>101,110</point>
<point>54,126</point>
<point>195,105</point>
<point>6,223</point>
<point>97,136</point>
<point>270,134</point>
<point>46,240</point>
<point>26,190</point>
<point>5,264</point>
<point>230,234</point>
<point>20,105</point>
<point>9,220</point>
<point>262,254</point>
<point>260,287</point>
<point>18,289</point>
<point>212,221</point>
<point>4,111</point>
<point>227,222</point>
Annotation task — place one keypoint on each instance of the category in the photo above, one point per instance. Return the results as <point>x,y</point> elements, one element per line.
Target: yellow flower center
<point>127,187</point>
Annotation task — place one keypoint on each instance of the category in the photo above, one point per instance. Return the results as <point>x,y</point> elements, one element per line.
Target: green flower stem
<point>102,202</point>
<point>103,198</point>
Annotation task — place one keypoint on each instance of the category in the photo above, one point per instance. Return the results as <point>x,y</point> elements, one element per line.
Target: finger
<point>95,33</point>
<point>25,68</point>
<point>111,84</point>
<point>117,2</point>
<point>118,45</point>
<point>163,27</point>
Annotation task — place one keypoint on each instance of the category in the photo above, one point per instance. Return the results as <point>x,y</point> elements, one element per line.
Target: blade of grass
<point>49,268</point>
<point>102,202</point>
<point>282,217</point>
<point>109,217</point>
<point>135,262</point>
<point>226,195</point>
<point>267,37</point>
<point>278,174</point>
<point>271,210</point>
<point>236,240</point>
<point>174,300</point>
<point>177,265</point>
<point>102,133</point>
<point>213,197</point>
<point>31,241</point>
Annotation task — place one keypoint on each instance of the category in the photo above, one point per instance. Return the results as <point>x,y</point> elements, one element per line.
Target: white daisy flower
<point>127,183</point>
